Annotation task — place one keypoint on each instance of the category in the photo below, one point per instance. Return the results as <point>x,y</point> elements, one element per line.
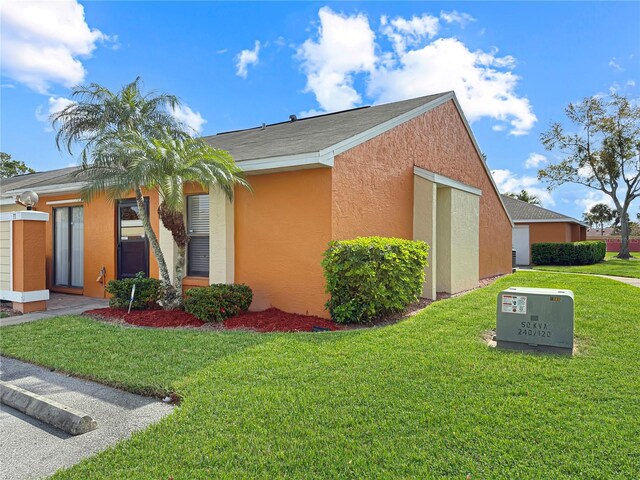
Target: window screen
<point>198,230</point>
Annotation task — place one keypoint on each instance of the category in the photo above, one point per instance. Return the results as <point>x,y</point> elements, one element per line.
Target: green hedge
<point>373,276</point>
<point>568,253</point>
<point>218,301</point>
<point>146,296</point>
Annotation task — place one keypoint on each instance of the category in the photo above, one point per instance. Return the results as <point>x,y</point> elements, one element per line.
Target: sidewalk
<point>628,280</point>
<point>30,449</point>
<point>58,304</point>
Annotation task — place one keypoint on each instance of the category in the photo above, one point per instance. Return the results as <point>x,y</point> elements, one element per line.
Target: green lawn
<point>424,398</point>
<point>610,266</point>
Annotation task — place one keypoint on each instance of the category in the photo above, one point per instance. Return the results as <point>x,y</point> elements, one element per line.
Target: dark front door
<point>133,247</point>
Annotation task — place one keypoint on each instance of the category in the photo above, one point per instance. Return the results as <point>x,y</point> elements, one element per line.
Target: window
<point>198,230</point>
<point>68,247</point>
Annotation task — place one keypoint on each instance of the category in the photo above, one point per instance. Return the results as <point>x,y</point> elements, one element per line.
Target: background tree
<point>525,196</point>
<point>120,134</point>
<point>10,167</point>
<point>602,153</point>
<point>599,214</point>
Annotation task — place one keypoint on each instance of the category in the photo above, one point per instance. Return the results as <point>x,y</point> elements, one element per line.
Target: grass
<point>609,266</point>
<point>424,398</point>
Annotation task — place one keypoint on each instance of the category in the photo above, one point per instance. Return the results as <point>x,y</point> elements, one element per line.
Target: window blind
<point>198,229</point>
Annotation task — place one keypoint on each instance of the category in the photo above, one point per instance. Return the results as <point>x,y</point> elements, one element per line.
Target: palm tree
<point>599,214</point>
<point>525,196</point>
<point>166,163</point>
<point>121,135</point>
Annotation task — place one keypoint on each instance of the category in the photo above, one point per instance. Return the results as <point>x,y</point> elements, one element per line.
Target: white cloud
<point>613,63</point>
<point>55,104</point>
<point>509,182</point>
<point>346,50</point>
<point>345,46</point>
<point>43,41</point>
<point>456,17</point>
<point>593,197</point>
<point>246,58</point>
<point>535,160</point>
<point>192,119</point>
<point>402,32</point>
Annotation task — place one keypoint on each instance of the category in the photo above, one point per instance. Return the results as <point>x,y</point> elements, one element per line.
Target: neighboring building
<point>409,169</point>
<point>534,224</point>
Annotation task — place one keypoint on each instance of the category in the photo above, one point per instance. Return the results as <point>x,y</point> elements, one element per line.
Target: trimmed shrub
<point>568,253</point>
<point>373,276</point>
<point>218,301</point>
<point>146,295</point>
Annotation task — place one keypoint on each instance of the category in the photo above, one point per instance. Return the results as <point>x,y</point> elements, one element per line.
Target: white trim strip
<point>484,164</point>
<point>64,202</point>
<point>286,162</point>
<point>24,215</point>
<point>8,201</point>
<point>47,189</point>
<point>24,297</point>
<point>11,255</point>
<point>445,181</point>
<point>362,137</point>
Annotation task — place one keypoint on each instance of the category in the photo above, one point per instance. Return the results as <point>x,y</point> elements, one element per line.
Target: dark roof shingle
<point>520,211</point>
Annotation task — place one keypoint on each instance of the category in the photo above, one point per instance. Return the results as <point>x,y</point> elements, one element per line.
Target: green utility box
<point>539,319</point>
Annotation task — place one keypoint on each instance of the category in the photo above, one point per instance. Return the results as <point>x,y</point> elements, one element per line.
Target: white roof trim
<point>552,220</point>
<point>47,189</point>
<point>286,162</point>
<point>362,137</point>
<point>8,201</point>
<point>445,181</point>
<point>484,164</point>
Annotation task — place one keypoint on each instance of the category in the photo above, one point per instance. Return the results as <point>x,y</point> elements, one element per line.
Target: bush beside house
<point>568,253</point>
<point>218,301</point>
<point>146,295</point>
<point>370,277</point>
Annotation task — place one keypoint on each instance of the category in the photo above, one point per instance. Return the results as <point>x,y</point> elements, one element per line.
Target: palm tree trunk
<point>171,299</point>
<point>180,261</point>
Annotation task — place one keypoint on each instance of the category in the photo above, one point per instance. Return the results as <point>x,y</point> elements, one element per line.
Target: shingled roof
<point>298,137</point>
<point>523,212</point>
<point>313,134</point>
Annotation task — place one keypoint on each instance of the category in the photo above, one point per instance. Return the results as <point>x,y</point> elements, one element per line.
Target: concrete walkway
<point>30,449</point>
<point>628,280</point>
<point>58,304</point>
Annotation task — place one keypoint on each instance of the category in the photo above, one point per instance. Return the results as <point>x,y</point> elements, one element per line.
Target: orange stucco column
<point>27,285</point>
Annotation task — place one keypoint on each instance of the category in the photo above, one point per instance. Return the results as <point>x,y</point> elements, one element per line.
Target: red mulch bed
<point>271,320</point>
<point>274,320</point>
<point>149,318</point>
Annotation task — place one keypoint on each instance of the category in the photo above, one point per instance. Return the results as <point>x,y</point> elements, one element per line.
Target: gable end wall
<point>372,184</point>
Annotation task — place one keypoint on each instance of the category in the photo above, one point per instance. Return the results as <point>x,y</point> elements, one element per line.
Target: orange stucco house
<point>534,224</point>
<point>408,169</point>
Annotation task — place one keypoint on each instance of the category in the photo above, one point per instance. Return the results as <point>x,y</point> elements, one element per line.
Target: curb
<point>48,411</point>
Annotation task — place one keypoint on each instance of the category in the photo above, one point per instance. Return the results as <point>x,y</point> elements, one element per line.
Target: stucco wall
<point>424,228</point>
<point>281,230</point>
<point>550,232</point>
<point>28,255</point>
<point>465,244</point>
<point>100,231</point>
<point>373,183</point>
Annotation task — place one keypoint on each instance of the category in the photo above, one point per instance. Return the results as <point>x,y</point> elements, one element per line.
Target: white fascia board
<point>8,201</point>
<point>50,189</point>
<point>484,164</point>
<point>356,140</point>
<point>24,215</point>
<point>325,157</point>
<point>286,163</point>
<point>553,220</point>
<point>24,297</point>
<point>445,181</point>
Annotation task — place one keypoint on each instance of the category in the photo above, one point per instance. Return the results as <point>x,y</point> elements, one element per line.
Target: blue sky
<point>514,66</point>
